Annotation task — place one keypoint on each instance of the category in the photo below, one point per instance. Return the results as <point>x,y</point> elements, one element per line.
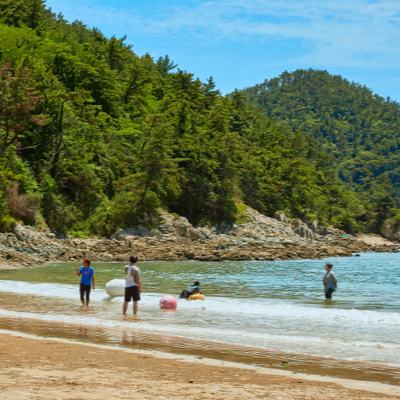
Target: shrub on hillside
<point>23,207</point>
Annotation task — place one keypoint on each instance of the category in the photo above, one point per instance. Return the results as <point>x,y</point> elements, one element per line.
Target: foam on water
<point>56,290</point>
<point>258,307</point>
<point>264,308</point>
<point>191,332</point>
<point>271,306</point>
<point>336,348</point>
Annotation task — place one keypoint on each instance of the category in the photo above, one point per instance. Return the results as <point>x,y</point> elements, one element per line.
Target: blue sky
<point>242,42</point>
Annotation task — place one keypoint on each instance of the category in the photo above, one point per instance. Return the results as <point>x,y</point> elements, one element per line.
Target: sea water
<point>274,306</point>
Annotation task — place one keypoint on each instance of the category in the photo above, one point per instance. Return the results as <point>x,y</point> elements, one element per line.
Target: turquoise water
<point>277,306</point>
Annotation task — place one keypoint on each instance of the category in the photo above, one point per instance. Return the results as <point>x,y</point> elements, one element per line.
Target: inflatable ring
<point>197,296</point>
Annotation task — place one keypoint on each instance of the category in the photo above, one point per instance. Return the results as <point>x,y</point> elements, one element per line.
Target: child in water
<point>190,290</point>
<point>87,280</point>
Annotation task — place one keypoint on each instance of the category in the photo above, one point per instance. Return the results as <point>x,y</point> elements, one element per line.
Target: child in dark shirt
<point>190,290</point>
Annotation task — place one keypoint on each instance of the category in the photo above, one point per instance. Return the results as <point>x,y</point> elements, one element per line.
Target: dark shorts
<point>85,289</point>
<point>328,293</point>
<point>132,292</point>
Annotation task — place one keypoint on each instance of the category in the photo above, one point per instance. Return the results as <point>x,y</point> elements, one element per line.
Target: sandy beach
<point>376,240</point>
<point>43,368</point>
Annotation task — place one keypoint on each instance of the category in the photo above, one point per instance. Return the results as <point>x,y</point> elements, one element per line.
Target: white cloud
<point>352,33</point>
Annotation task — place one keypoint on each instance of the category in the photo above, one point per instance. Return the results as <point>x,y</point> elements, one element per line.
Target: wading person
<point>87,273</point>
<point>329,280</point>
<point>186,293</point>
<point>133,285</point>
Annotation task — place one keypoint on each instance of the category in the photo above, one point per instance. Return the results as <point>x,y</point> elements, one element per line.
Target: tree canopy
<point>94,137</point>
<point>357,130</point>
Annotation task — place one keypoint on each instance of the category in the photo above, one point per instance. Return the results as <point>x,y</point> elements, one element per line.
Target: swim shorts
<point>328,293</point>
<point>132,292</point>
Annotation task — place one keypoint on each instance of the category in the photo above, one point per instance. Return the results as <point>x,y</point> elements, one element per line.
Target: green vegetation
<point>94,137</point>
<point>357,131</point>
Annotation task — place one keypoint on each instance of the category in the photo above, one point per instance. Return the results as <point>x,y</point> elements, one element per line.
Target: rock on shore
<point>259,238</point>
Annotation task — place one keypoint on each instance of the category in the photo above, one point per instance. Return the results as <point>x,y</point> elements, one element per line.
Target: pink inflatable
<point>168,303</point>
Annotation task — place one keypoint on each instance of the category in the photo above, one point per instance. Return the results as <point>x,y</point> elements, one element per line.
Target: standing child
<point>133,285</point>
<point>87,273</point>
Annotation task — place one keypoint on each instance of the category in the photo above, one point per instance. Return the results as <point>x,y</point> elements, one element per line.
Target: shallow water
<point>265,306</point>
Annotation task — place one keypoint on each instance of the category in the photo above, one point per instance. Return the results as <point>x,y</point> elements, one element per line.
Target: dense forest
<point>358,130</point>
<point>94,137</point>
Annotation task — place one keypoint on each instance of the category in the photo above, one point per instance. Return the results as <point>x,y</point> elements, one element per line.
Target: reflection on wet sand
<point>252,313</point>
<point>172,344</point>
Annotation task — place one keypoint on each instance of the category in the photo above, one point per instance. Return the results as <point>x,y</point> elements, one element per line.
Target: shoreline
<point>335,361</point>
<point>11,259</point>
<point>356,378</point>
<point>261,238</point>
<point>275,360</point>
<point>172,370</point>
<point>382,248</point>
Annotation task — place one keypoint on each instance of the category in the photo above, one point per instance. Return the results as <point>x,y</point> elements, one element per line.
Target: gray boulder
<point>281,217</point>
<point>389,231</point>
<point>123,234</point>
<point>29,234</point>
<point>302,229</point>
<point>184,228</point>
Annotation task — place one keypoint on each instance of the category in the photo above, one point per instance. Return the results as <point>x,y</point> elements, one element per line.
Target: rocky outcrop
<point>312,231</point>
<point>259,238</point>
<point>139,231</point>
<point>302,229</point>
<point>389,231</point>
<point>281,217</point>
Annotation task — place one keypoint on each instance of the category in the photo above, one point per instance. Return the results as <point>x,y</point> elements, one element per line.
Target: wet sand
<point>43,368</point>
<point>221,352</point>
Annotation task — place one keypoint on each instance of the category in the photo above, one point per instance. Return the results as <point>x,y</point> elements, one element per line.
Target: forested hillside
<point>359,130</point>
<point>94,137</point>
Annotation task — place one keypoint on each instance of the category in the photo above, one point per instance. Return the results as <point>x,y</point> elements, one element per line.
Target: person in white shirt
<point>329,280</point>
<point>133,285</point>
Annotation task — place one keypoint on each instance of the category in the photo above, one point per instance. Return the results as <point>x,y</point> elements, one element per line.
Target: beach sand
<point>43,368</point>
<point>376,240</point>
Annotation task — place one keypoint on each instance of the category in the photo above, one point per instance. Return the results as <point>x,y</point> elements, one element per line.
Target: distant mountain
<point>358,129</point>
<point>94,138</point>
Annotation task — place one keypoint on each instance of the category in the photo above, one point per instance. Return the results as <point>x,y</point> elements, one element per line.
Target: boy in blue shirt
<point>87,273</point>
